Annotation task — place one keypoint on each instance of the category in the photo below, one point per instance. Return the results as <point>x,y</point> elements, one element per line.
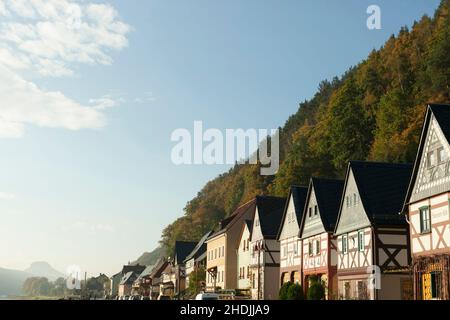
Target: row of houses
<point>383,232</point>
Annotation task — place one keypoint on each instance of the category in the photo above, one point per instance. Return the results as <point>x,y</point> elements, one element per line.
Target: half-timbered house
<point>288,237</point>
<point>265,265</point>
<point>316,233</point>
<point>373,242</point>
<point>427,207</point>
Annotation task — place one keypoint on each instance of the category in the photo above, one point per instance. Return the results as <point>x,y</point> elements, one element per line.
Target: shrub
<point>283,294</point>
<point>316,290</point>
<point>295,292</point>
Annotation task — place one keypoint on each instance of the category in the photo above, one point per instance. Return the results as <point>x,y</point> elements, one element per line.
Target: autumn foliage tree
<point>373,112</point>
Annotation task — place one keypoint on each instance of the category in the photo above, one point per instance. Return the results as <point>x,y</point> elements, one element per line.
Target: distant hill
<point>43,269</point>
<point>149,258</point>
<point>11,281</point>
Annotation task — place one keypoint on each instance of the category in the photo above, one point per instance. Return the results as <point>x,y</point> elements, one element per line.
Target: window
<point>344,244</point>
<point>361,243</point>
<point>425,220</point>
<point>347,200</point>
<point>257,222</point>
<point>310,212</point>
<point>436,285</point>
<point>215,253</point>
<point>310,248</point>
<point>347,290</point>
<point>362,290</point>
<point>248,272</point>
<point>317,247</point>
<point>431,159</point>
<point>441,155</point>
<point>315,210</point>
<point>355,199</point>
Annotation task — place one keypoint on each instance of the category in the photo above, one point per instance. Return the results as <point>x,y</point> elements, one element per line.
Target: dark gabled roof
<point>129,278</point>
<point>441,113</point>
<point>249,224</point>
<point>299,194</point>
<point>224,222</point>
<point>199,248</point>
<point>235,217</point>
<point>160,265</point>
<point>135,268</point>
<point>382,188</point>
<point>146,272</point>
<point>182,249</point>
<point>270,211</point>
<point>328,194</point>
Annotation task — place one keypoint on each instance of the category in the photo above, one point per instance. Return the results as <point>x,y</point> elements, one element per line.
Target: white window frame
<point>344,243</point>
<point>361,241</point>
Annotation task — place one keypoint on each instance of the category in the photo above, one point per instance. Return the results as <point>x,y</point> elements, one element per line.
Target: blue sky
<point>86,176</point>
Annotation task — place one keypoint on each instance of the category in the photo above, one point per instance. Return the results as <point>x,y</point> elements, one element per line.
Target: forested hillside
<point>373,112</point>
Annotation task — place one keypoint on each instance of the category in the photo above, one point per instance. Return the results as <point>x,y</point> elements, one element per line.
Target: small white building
<point>265,265</point>
<point>288,237</point>
<point>244,257</point>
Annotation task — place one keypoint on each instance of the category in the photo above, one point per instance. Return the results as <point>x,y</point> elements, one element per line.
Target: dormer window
<point>310,212</point>
<point>315,210</point>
